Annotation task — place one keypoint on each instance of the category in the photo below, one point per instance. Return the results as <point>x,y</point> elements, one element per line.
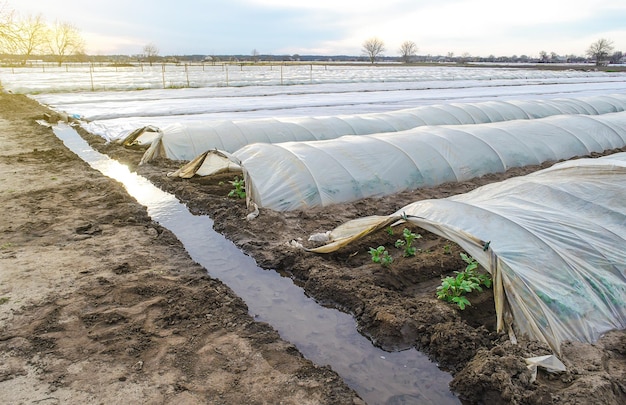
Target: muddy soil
<point>396,306</point>
<point>101,305</point>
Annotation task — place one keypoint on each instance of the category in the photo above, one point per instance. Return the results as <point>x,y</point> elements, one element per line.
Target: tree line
<point>26,36</point>
<point>600,51</point>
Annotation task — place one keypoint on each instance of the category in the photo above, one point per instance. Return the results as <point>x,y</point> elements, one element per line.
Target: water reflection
<point>325,336</point>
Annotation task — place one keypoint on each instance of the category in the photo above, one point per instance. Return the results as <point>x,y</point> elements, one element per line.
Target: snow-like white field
<point>222,92</point>
<point>87,77</point>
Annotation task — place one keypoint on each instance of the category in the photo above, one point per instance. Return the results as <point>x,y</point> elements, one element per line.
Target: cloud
<point>331,27</point>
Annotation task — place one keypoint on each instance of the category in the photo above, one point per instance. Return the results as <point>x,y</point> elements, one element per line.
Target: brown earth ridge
<point>101,305</point>
<point>114,307</point>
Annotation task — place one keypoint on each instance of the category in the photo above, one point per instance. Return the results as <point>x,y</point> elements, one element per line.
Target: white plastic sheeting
<point>114,114</point>
<point>185,141</point>
<point>87,77</point>
<point>556,245</point>
<point>295,175</point>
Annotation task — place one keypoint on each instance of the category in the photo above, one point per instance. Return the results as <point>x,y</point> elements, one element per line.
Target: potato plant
<point>407,243</point>
<point>381,255</point>
<point>238,190</point>
<point>453,289</point>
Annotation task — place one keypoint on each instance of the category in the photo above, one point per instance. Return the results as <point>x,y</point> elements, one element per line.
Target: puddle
<point>324,336</point>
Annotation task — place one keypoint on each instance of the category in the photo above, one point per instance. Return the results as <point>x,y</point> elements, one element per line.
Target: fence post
<point>163,73</point>
<point>91,75</point>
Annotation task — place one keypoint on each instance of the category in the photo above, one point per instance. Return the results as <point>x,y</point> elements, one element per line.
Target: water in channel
<point>325,336</point>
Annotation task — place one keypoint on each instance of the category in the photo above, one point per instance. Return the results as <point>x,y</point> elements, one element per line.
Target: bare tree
<point>408,50</point>
<point>465,57</point>
<point>29,36</point>
<point>65,40</point>
<point>600,51</point>
<point>7,29</point>
<point>373,48</point>
<point>255,55</point>
<point>150,52</point>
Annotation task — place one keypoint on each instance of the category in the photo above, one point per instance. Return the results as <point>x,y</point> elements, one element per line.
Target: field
<point>394,307</point>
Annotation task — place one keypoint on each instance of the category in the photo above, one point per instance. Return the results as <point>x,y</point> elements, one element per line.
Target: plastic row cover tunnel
<point>185,141</point>
<point>295,175</point>
<point>556,245</point>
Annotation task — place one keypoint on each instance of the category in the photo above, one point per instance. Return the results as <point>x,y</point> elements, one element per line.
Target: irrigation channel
<point>325,336</point>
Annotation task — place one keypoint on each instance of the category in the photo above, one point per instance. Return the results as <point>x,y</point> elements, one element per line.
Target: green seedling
<point>447,249</point>
<point>407,243</point>
<point>389,230</point>
<point>453,289</point>
<point>380,255</point>
<point>239,190</point>
<point>386,260</point>
<point>471,271</point>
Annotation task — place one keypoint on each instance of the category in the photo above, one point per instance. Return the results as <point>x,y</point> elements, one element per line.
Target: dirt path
<point>98,304</point>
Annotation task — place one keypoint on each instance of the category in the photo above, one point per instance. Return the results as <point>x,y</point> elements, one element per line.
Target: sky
<point>337,27</point>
